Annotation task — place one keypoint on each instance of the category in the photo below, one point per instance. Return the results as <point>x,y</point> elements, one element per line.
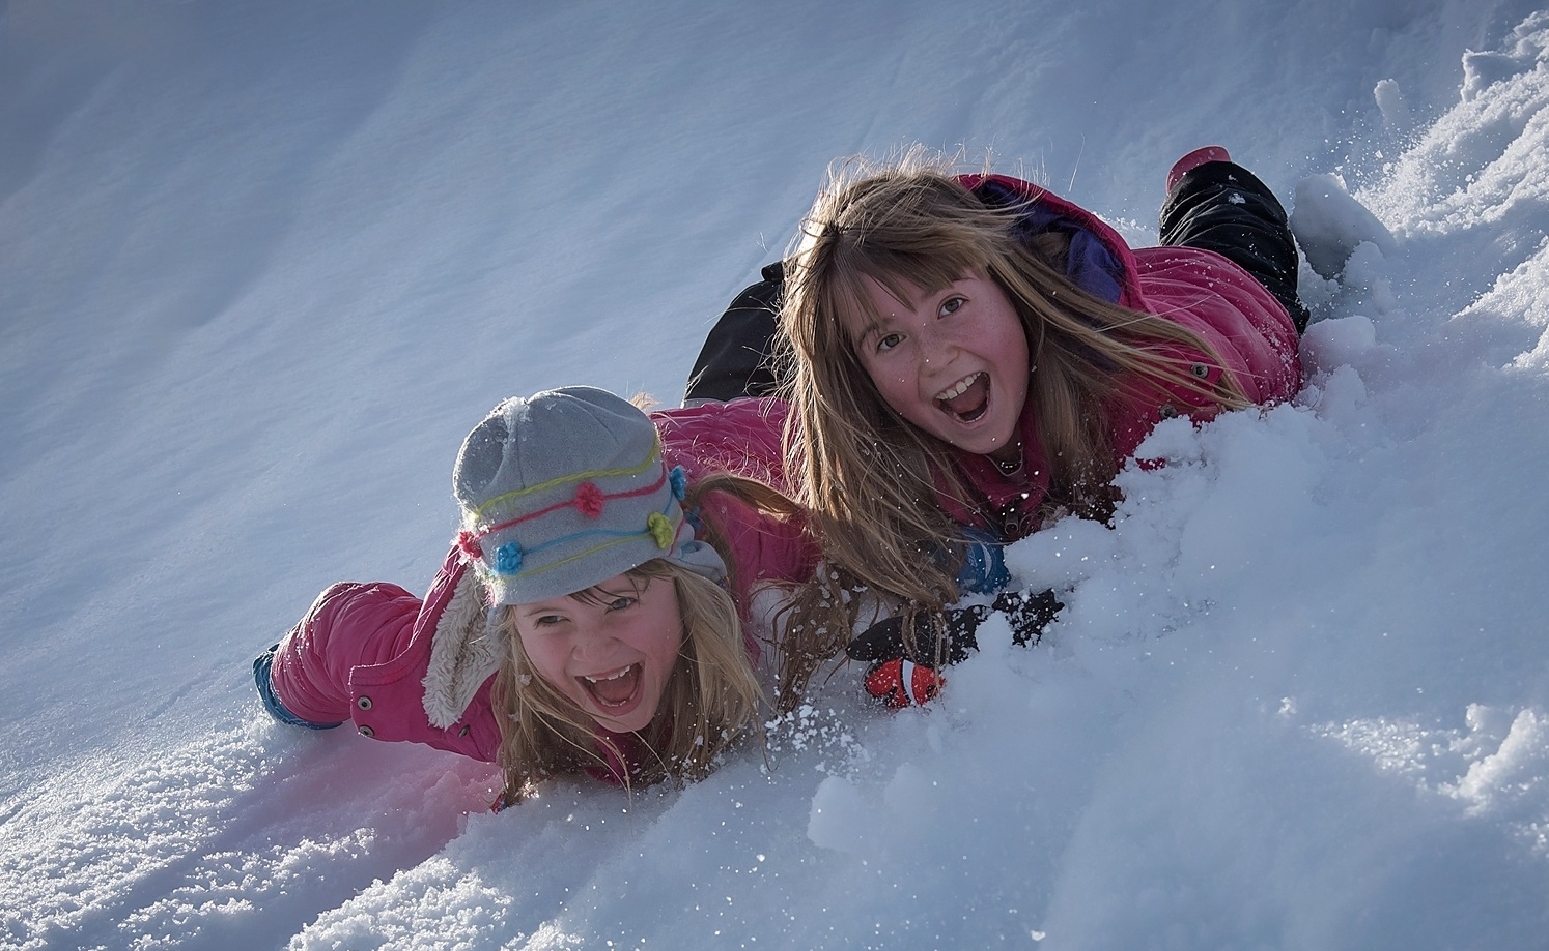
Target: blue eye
<point>951,306</point>
<point>888,341</point>
<point>622,603</point>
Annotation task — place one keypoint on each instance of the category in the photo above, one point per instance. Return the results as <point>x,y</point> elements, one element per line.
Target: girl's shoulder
<point>742,437</point>
<point>748,412</point>
<point>763,545</point>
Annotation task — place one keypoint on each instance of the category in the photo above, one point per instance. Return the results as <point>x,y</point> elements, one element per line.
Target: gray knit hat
<point>567,488</point>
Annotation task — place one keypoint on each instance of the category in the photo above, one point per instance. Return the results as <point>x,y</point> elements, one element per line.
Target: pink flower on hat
<point>468,544</point>
<point>588,499</point>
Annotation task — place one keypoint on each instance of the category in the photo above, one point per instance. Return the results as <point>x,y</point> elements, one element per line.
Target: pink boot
<point>1196,158</point>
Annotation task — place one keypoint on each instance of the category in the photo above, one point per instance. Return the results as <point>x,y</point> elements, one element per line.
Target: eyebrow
<point>539,607</point>
<point>874,319</point>
<point>872,326</point>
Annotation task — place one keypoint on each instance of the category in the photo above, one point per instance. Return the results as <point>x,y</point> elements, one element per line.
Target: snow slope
<point>262,265</point>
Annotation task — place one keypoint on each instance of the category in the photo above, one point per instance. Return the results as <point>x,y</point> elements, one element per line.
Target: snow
<point>263,265</point>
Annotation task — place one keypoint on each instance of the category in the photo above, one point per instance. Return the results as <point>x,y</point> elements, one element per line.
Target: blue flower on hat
<point>679,480</point>
<point>508,558</point>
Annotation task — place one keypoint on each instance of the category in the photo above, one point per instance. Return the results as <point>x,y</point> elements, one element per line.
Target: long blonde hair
<point>869,477</point>
<point>711,699</point>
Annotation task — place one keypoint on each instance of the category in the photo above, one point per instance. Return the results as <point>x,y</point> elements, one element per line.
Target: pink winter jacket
<point>1251,333</point>
<point>403,668</point>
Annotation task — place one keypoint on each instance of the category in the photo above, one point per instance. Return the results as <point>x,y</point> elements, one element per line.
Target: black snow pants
<point>1223,207</point>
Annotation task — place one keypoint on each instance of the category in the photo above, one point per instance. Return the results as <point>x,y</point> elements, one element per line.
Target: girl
<point>972,357</point>
<point>580,624</point>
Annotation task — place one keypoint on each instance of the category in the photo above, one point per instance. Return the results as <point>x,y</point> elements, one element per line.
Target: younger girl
<point>972,357</point>
<point>579,624</point>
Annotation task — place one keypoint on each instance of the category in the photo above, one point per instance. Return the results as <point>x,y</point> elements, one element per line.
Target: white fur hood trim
<point>464,652</point>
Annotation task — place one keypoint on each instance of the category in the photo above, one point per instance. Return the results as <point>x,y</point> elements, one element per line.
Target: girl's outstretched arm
<point>347,626</point>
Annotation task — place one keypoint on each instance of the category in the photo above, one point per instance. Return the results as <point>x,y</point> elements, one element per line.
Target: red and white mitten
<point>900,683</point>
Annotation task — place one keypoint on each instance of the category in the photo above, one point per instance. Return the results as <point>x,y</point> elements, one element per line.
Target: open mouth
<point>968,399</point>
<point>614,690</point>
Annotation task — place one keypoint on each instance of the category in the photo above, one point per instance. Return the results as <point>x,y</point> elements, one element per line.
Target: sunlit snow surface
<point>263,265</point>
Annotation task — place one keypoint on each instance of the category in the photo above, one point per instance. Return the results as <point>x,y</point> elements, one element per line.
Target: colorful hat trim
<point>575,502</point>
<point>660,528</point>
<point>650,458</point>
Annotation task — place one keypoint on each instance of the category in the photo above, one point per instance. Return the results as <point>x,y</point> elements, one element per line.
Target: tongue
<point>618,690</point>
<point>969,404</point>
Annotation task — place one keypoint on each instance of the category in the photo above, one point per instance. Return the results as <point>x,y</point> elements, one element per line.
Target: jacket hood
<point>1099,261</point>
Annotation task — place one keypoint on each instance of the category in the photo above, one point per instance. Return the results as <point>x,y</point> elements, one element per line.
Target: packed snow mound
<point>1329,224</point>
<point>1470,199</point>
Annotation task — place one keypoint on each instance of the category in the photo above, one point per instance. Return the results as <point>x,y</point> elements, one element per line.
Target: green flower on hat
<point>660,527</point>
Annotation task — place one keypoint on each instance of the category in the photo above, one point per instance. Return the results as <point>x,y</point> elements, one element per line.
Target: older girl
<point>972,356</point>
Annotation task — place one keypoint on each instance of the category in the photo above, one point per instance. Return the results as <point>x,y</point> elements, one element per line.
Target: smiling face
<point>609,652</point>
<point>953,362</point>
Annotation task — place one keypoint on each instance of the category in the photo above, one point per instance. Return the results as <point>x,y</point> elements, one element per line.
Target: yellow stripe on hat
<point>655,452</point>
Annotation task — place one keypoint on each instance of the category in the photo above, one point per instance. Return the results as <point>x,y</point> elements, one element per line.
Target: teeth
<point>601,678</point>
<point>961,387</point>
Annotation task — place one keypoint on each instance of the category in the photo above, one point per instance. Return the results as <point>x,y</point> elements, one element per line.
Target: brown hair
<point>870,478</point>
<point>711,698</point>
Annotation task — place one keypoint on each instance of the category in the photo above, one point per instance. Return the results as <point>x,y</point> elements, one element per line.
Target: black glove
<point>954,635</point>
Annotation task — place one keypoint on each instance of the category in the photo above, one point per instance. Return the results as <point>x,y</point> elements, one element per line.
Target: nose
<point>938,345</point>
<point>591,642</point>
